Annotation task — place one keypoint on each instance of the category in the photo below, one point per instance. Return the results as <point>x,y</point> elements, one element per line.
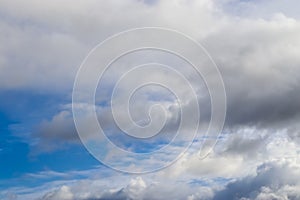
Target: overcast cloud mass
<point>255,45</point>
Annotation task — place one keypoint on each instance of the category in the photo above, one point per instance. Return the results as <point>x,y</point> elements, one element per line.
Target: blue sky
<point>254,44</point>
<point>27,109</point>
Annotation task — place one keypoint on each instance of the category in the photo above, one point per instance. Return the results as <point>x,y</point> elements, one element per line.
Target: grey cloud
<point>250,146</point>
<point>271,181</point>
<point>260,71</point>
<point>258,59</point>
<point>53,134</point>
<point>136,189</point>
<point>36,58</point>
<point>36,38</point>
<point>43,45</point>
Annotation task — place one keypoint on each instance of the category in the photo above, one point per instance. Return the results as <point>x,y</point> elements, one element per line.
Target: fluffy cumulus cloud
<point>256,46</point>
<point>274,180</point>
<point>135,188</point>
<point>260,75</point>
<point>271,180</point>
<point>63,193</point>
<point>270,173</point>
<point>260,71</point>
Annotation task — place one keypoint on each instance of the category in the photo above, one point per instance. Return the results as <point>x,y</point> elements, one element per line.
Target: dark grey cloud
<point>272,177</point>
<point>250,146</point>
<point>260,69</point>
<point>54,134</point>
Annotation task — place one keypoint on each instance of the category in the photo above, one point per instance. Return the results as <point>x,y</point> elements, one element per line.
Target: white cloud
<point>273,181</point>
<point>63,193</point>
<point>274,174</point>
<point>136,188</point>
<point>51,39</point>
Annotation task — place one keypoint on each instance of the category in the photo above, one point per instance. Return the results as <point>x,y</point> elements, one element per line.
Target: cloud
<point>98,189</point>
<point>57,47</point>
<point>54,134</point>
<point>222,174</point>
<point>257,53</point>
<point>236,155</point>
<point>261,8</point>
<point>136,188</point>
<point>63,193</point>
<point>273,180</point>
<point>276,179</point>
<point>260,70</point>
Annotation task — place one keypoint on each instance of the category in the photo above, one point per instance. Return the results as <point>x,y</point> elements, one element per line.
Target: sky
<point>224,128</point>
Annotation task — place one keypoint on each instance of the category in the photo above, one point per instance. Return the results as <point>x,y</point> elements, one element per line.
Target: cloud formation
<point>42,46</point>
<point>272,180</point>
